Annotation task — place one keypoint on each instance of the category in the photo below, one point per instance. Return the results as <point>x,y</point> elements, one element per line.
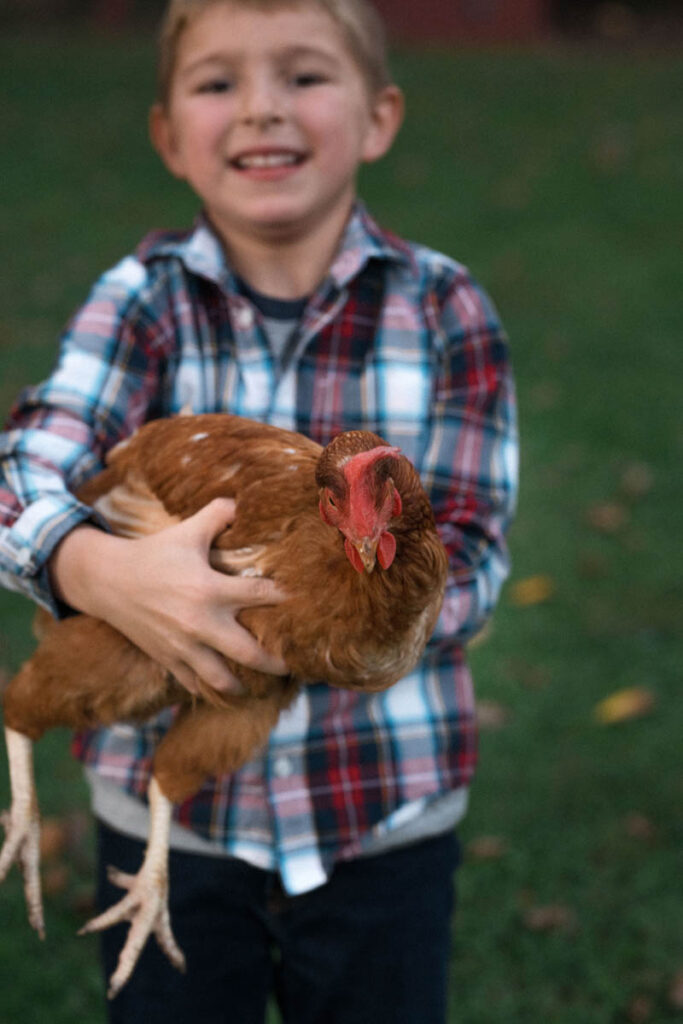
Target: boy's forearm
<point>80,565</point>
<point>471,598</point>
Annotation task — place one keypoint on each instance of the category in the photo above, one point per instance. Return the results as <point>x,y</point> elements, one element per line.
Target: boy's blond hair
<point>358,20</point>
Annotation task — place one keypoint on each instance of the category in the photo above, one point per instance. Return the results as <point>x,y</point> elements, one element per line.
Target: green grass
<point>556,176</point>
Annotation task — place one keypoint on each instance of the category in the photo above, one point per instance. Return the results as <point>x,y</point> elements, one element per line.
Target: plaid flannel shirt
<point>398,339</point>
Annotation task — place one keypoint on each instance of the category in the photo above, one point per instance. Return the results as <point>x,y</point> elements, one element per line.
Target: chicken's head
<point>359,497</point>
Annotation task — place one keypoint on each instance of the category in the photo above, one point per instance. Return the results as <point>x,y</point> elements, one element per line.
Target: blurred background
<point>456,21</point>
<point>543,148</point>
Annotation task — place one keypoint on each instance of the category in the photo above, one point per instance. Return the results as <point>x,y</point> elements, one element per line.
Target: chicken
<point>346,532</point>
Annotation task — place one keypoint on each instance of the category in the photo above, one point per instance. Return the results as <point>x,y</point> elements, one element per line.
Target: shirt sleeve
<point>471,464</point>
<point>58,432</point>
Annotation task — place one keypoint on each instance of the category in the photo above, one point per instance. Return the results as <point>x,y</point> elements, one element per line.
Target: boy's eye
<point>215,85</point>
<point>305,79</point>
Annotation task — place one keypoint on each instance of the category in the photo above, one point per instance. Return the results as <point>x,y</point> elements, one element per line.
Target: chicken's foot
<point>22,825</point>
<point>146,904</point>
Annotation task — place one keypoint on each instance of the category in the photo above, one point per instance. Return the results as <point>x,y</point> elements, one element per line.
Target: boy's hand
<point>161,593</point>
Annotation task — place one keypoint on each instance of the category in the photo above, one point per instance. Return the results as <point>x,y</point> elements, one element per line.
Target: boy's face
<point>268,119</point>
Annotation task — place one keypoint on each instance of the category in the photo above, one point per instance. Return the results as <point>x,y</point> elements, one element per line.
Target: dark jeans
<point>369,947</point>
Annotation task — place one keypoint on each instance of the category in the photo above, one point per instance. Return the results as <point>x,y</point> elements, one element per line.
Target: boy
<point>285,303</point>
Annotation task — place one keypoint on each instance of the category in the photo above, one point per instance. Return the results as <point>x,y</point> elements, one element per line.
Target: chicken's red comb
<point>360,463</point>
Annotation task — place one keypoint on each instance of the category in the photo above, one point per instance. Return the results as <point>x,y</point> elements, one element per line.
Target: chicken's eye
<point>330,501</point>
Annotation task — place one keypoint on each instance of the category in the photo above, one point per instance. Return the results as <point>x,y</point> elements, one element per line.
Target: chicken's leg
<point>22,825</point>
<point>146,904</point>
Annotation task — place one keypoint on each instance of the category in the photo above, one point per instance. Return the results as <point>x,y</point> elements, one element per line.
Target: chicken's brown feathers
<point>355,630</point>
<point>350,629</point>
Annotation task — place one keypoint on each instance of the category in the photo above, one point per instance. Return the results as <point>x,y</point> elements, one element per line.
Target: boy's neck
<point>285,266</point>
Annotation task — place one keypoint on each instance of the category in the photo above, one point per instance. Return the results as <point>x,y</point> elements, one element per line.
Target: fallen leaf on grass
<point>536,678</point>
<point>625,705</point>
<point>512,194</point>
<point>556,346</point>
<point>638,826</point>
<point>636,480</point>
<point>53,838</point>
<point>545,395</point>
<point>55,878</point>
<point>617,21</point>
<point>480,638</point>
<point>76,825</point>
<point>640,1009</point>
<point>533,590</point>
<point>486,848</point>
<point>79,847</point>
<point>610,153</point>
<point>676,990</point>
<point>551,917</point>
<point>82,902</point>
<point>528,674</point>
<point>492,715</point>
<point>607,516</point>
<point>592,565</point>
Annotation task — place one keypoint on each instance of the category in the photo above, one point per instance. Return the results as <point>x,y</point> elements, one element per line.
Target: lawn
<point>557,176</point>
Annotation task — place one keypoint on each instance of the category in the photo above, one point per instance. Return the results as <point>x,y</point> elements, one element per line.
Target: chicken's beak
<point>367,549</point>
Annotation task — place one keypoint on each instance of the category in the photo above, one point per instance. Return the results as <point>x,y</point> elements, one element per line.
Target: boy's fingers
<point>211,668</point>
<point>213,518</point>
<point>245,649</point>
<point>186,677</point>
<point>250,591</point>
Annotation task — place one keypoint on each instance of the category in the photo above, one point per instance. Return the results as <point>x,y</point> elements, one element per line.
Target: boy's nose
<point>261,105</point>
<point>263,119</point>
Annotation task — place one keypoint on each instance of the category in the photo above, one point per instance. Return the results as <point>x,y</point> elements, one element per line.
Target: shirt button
<point>244,317</point>
<point>25,559</point>
<point>283,767</point>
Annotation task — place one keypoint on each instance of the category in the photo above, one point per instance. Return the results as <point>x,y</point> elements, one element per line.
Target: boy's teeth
<point>267,160</point>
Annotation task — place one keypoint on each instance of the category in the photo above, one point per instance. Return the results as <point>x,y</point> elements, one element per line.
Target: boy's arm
<point>471,463</point>
<point>59,431</point>
<point>50,549</point>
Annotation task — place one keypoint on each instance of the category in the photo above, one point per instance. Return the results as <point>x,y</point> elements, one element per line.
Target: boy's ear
<point>386,117</point>
<point>163,140</point>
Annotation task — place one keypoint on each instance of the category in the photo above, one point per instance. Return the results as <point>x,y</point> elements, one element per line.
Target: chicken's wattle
<point>385,553</point>
<point>386,549</point>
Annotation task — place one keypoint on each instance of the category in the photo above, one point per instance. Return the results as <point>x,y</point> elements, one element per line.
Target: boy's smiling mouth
<point>267,159</point>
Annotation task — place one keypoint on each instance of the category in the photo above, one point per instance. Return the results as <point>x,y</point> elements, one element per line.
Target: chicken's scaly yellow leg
<point>22,825</point>
<point>146,904</point>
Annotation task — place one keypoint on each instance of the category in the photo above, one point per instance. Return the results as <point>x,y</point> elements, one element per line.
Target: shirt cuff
<point>26,548</point>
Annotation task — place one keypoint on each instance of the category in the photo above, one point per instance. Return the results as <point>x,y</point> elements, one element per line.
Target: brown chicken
<point>317,521</point>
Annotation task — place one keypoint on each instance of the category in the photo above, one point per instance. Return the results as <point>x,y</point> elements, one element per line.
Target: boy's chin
<point>285,219</point>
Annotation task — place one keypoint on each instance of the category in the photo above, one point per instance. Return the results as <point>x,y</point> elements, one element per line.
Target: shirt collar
<point>202,253</point>
<point>362,241</point>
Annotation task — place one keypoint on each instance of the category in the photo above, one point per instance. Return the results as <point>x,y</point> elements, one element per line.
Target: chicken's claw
<point>146,907</point>
<point>146,902</point>
<point>22,844</point>
<point>22,828</point>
